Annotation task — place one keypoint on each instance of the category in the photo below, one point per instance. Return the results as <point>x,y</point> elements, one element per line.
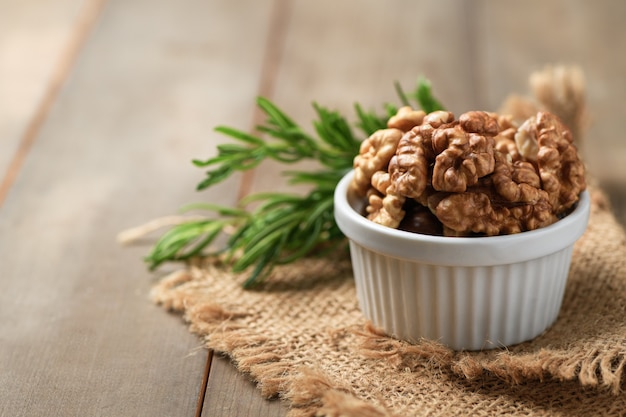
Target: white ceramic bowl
<point>469,293</point>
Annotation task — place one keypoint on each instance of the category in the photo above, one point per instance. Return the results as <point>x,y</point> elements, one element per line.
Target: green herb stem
<point>279,228</point>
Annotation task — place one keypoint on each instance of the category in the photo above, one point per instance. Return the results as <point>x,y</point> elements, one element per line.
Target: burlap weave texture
<point>303,338</point>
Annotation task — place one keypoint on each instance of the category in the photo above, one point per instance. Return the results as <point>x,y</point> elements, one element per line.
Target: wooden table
<point>103,103</point>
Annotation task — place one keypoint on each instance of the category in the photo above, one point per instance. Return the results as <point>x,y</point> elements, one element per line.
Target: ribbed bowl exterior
<point>469,293</point>
<point>465,308</point>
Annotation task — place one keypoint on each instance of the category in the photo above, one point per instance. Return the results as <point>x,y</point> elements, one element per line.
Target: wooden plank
<point>230,393</point>
<point>339,53</point>
<point>36,41</point>
<point>516,38</point>
<point>77,330</point>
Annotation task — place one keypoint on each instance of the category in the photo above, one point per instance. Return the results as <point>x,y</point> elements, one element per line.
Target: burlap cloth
<point>303,339</point>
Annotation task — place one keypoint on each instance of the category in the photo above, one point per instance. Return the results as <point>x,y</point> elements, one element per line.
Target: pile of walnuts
<point>478,175</point>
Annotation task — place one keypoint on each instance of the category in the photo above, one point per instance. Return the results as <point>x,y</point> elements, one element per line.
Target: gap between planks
<point>60,74</point>
<point>274,47</point>
<point>205,382</point>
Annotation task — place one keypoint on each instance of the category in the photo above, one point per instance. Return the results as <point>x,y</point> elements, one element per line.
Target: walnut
<point>438,118</point>
<point>462,213</point>
<point>478,211</point>
<point>517,181</point>
<point>406,119</point>
<point>374,155</point>
<point>409,166</point>
<point>505,139</point>
<point>534,216</point>
<point>526,140</point>
<point>505,122</point>
<point>544,140</point>
<point>381,182</point>
<point>505,144</point>
<point>385,208</point>
<point>462,157</point>
<point>479,122</point>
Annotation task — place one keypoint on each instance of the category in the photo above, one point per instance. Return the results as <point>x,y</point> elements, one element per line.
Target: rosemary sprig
<point>422,95</point>
<point>278,228</point>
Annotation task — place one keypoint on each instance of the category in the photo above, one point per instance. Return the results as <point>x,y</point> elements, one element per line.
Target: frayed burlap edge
<point>228,327</point>
<point>307,390</point>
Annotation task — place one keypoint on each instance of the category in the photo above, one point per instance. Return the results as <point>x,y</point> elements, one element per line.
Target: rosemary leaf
<point>184,240</point>
<point>268,229</point>
<point>401,94</point>
<point>369,122</point>
<point>424,96</point>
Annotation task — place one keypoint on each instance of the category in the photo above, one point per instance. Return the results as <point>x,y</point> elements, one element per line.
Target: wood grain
<point>112,143</point>
<point>38,44</point>
<point>77,330</point>
<point>234,394</point>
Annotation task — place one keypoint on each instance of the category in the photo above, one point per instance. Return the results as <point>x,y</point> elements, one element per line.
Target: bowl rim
<point>457,251</point>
